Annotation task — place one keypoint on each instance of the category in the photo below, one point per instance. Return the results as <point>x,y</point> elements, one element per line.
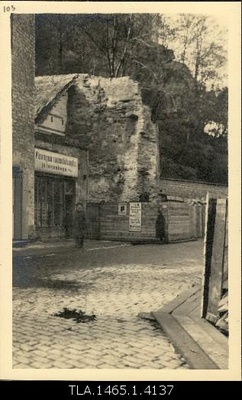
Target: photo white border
<point>229,11</point>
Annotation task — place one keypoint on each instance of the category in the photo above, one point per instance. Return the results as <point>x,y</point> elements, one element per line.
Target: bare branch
<point>114,41</point>
<point>124,52</point>
<point>98,45</point>
<point>145,43</point>
<point>107,50</point>
<point>145,67</point>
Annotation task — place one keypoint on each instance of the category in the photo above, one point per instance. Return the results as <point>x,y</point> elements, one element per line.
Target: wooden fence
<point>215,275</point>
<point>185,222</point>
<point>181,222</point>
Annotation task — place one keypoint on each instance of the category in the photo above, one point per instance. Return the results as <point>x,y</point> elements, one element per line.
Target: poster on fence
<point>135,217</point>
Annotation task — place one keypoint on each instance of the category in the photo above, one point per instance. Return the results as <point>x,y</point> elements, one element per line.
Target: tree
<point>51,42</point>
<point>200,43</point>
<point>214,111</point>
<point>115,41</point>
<point>112,35</point>
<point>191,117</point>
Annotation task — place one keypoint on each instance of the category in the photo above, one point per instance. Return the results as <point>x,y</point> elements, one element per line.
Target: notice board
<point>135,217</point>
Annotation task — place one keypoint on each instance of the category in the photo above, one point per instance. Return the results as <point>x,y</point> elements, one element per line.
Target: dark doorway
<point>17,191</point>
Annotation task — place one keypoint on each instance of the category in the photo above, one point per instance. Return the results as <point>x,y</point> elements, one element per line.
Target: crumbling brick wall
<point>23,70</point>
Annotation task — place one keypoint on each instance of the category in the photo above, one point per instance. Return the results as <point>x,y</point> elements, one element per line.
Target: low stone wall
<point>192,190</point>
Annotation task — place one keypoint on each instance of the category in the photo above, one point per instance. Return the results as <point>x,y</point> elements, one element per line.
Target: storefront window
<point>49,203</point>
<point>58,202</point>
<point>50,200</point>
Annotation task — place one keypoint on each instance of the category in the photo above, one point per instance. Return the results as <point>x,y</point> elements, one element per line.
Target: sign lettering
<point>135,217</point>
<point>55,163</point>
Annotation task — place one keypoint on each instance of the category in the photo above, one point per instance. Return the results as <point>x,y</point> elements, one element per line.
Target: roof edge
<point>42,111</point>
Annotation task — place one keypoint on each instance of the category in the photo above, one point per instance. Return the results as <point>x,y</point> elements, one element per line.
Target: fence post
<point>214,251</point>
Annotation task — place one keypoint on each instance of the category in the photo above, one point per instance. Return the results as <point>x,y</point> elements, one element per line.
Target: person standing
<point>79,225</point>
<point>160,227</point>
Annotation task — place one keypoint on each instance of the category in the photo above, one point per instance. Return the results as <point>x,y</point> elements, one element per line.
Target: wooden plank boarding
<point>189,305</point>
<point>217,261</point>
<point>213,332</point>
<point>183,342</point>
<point>179,300</point>
<point>199,221</point>
<point>206,342</point>
<point>225,262</point>
<point>200,343</point>
<point>195,313</point>
<point>208,241</point>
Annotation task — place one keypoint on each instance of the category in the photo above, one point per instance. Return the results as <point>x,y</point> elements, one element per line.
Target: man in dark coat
<point>79,225</point>
<point>160,227</point>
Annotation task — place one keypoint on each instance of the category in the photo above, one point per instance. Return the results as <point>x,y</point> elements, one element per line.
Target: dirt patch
<point>77,316</point>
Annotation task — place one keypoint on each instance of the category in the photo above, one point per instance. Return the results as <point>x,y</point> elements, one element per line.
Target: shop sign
<point>135,217</point>
<point>55,163</point>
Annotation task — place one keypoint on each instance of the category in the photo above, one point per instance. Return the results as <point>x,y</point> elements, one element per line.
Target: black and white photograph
<point>119,133</point>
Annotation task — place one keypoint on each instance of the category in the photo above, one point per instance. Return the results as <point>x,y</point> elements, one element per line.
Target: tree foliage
<point>199,42</point>
<point>187,150</point>
<point>106,44</point>
<point>192,119</point>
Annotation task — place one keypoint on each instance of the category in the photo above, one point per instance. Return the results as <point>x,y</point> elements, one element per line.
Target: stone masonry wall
<point>148,155</point>
<point>192,190</point>
<point>108,117</point>
<point>23,70</point>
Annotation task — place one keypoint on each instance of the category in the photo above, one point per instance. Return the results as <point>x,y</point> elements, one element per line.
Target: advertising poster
<point>135,217</point>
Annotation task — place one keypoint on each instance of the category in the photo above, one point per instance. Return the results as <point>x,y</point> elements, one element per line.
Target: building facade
<point>61,164</point>
<point>49,173</point>
<point>23,70</point>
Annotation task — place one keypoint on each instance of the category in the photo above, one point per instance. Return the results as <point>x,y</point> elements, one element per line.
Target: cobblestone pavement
<point>113,281</point>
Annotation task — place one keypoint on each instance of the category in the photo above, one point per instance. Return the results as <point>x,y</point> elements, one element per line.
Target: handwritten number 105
<point>9,8</point>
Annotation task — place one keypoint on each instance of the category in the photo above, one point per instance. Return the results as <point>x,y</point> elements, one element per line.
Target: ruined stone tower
<point>110,119</point>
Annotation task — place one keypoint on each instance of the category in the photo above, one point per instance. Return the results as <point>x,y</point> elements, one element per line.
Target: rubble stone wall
<point>108,117</point>
<point>192,190</point>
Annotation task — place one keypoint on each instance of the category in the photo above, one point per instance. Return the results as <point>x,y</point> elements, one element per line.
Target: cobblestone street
<point>114,282</point>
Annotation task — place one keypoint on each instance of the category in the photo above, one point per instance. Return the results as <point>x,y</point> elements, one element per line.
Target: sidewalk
<point>62,245</point>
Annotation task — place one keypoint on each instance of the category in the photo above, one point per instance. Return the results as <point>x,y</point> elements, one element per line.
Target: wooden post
<point>205,275</point>
<point>199,221</point>
<point>217,262</point>
<point>214,248</point>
